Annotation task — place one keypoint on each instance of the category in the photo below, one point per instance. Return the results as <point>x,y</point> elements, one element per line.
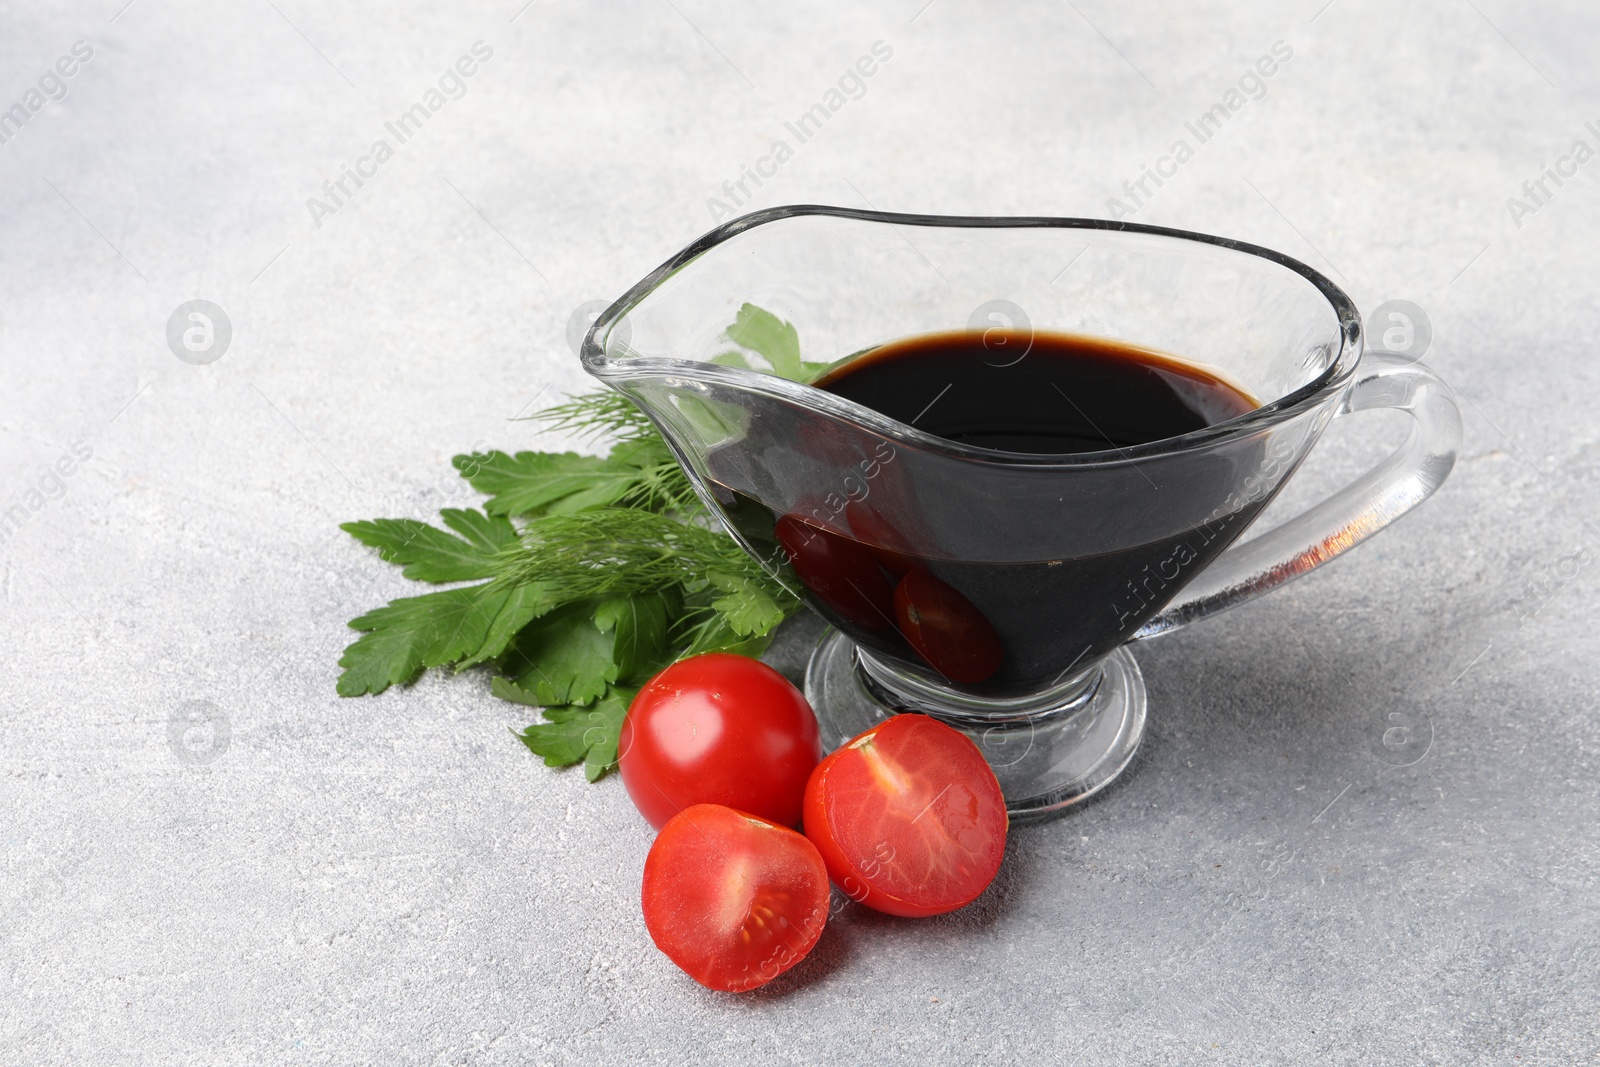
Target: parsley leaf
<point>773,339</point>
<point>572,654</point>
<point>638,628</point>
<point>464,626</point>
<point>563,658</point>
<point>749,608</point>
<point>531,483</point>
<point>714,634</point>
<point>569,735</point>
<point>639,470</point>
<point>429,554</point>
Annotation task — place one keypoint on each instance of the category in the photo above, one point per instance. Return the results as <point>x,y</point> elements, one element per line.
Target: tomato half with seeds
<point>839,572</point>
<point>732,899</point>
<point>909,817</point>
<point>718,729</point>
<point>946,629</point>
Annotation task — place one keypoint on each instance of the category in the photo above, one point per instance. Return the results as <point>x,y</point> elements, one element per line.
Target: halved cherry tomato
<point>839,572</point>
<point>946,629</point>
<point>718,729</point>
<point>908,817</point>
<point>732,899</point>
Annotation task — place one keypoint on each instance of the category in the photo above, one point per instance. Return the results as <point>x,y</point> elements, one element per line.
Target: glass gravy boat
<point>1068,558</point>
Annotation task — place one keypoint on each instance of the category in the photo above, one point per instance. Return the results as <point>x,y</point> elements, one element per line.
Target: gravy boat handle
<point>1348,517</point>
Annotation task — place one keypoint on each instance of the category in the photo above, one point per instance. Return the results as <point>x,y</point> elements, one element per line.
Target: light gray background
<point>395,880</point>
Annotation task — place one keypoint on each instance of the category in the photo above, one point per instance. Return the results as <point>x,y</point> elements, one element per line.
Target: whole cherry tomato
<point>732,899</point>
<point>839,572</point>
<point>909,817</point>
<point>718,729</point>
<point>888,546</point>
<point>946,629</point>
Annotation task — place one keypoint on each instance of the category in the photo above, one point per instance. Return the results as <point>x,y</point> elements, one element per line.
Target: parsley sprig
<point>588,573</point>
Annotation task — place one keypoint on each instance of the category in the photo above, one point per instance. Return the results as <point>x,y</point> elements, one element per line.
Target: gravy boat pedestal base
<point>1047,754</point>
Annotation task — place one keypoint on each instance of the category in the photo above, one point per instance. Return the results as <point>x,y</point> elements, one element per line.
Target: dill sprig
<point>603,413</point>
<point>663,487</point>
<point>656,481</point>
<point>614,551</point>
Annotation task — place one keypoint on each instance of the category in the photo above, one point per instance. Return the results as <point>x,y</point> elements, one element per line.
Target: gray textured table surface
<point>395,880</point>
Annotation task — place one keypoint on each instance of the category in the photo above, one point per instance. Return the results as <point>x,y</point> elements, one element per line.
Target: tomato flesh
<point>909,817</point>
<point>732,899</point>
<point>839,572</point>
<point>946,629</point>
<point>718,729</point>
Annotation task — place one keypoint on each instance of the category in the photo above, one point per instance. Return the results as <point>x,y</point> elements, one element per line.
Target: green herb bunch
<point>588,574</point>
